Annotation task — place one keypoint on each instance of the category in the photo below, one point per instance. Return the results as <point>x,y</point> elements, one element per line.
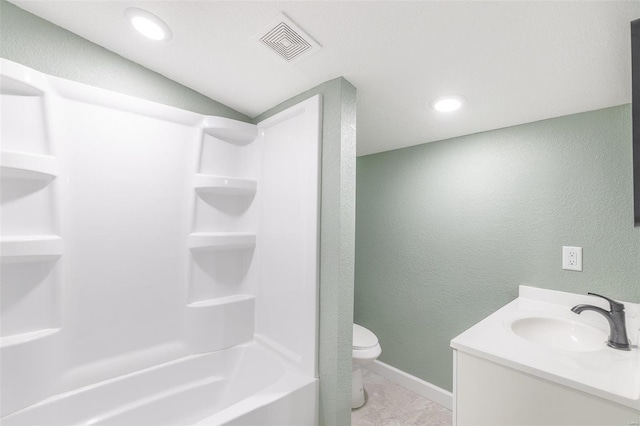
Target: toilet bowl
<point>365,350</point>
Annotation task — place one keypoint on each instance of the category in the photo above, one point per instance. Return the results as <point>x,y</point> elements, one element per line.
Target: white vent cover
<point>287,39</point>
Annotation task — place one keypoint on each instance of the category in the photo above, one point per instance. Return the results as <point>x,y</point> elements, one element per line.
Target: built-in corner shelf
<point>232,131</point>
<point>31,246</point>
<point>236,298</point>
<point>210,184</point>
<point>20,165</point>
<point>23,338</point>
<point>15,87</point>
<point>221,240</point>
<point>31,368</point>
<point>220,323</point>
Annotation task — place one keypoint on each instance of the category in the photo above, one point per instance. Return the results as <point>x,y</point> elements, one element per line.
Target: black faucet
<point>618,334</point>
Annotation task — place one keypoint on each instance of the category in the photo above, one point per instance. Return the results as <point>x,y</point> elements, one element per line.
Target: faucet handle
<point>615,306</point>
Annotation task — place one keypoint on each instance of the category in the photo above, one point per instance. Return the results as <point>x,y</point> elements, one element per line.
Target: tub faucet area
<point>618,335</point>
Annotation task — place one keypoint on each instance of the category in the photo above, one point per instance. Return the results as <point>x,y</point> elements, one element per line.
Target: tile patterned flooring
<point>388,404</point>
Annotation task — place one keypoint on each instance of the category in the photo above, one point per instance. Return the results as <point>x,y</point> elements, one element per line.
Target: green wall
<point>446,231</point>
<point>337,239</point>
<point>41,45</point>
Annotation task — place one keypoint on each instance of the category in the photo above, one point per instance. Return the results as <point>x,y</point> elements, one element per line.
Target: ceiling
<point>514,62</point>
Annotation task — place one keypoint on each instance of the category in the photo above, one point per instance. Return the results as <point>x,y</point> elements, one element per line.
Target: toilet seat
<point>363,338</point>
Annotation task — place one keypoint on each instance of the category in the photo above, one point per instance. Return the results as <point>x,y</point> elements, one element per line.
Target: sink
<point>538,334</point>
<point>559,333</point>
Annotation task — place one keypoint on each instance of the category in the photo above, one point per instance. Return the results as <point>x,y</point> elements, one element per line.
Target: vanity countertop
<point>593,368</point>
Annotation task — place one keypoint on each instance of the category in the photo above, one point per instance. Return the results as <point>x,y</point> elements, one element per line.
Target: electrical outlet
<point>572,258</point>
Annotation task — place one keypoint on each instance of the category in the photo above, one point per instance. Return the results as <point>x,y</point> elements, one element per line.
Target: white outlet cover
<point>572,258</point>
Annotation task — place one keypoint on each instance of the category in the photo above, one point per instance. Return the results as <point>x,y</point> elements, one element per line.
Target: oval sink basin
<point>560,333</point>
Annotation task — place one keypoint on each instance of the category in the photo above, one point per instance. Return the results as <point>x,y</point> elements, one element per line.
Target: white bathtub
<point>247,385</point>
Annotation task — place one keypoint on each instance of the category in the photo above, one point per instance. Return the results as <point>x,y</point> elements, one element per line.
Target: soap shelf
<point>221,301</point>
<point>231,131</point>
<point>15,87</point>
<point>221,240</point>
<point>22,338</point>
<point>31,246</point>
<point>224,185</point>
<point>20,165</point>
<point>220,323</point>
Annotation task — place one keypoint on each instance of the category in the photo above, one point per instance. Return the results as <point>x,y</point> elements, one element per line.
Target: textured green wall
<point>337,239</point>
<point>41,45</point>
<point>446,231</point>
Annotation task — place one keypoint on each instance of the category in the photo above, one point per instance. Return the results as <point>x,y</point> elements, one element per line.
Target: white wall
<point>287,296</point>
<point>124,191</point>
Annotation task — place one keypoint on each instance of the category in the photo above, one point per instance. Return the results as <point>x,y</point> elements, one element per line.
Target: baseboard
<point>414,384</point>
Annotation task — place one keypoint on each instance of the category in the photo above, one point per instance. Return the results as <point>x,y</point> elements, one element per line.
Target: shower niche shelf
<point>20,165</point>
<point>232,131</point>
<point>236,298</point>
<point>31,247</point>
<point>221,240</point>
<point>220,323</point>
<point>15,87</point>
<point>223,185</point>
<point>25,338</point>
<point>30,366</point>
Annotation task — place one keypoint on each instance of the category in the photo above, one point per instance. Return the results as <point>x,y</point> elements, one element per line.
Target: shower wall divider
<point>157,265</point>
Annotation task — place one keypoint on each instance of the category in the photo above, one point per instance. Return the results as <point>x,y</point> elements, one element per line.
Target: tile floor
<point>388,404</point>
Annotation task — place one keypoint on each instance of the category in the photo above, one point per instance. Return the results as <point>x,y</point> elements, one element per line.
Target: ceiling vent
<point>288,40</point>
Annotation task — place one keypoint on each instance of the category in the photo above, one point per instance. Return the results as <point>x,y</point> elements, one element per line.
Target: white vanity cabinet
<point>535,362</point>
<point>487,393</point>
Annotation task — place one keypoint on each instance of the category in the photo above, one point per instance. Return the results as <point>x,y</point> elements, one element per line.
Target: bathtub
<point>249,384</point>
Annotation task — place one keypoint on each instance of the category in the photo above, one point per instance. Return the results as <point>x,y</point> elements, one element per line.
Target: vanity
<point>535,362</point>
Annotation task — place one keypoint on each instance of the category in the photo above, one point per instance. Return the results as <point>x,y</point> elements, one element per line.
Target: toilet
<point>365,350</point>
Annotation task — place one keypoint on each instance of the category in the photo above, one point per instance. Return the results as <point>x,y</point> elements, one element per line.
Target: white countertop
<point>608,373</point>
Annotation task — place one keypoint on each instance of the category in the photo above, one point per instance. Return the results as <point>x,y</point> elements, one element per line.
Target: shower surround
<point>159,267</point>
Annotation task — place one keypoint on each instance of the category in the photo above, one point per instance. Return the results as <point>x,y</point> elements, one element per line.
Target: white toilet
<point>365,350</point>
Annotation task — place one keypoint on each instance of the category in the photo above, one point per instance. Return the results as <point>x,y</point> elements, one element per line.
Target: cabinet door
<point>490,394</point>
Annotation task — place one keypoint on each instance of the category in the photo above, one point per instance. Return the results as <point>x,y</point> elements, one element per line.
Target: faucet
<point>618,334</point>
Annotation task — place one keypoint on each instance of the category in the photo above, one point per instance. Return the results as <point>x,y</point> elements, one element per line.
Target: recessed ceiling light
<point>148,24</point>
<point>447,103</point>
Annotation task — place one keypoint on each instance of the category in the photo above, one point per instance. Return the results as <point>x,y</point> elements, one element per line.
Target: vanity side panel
<point>454,408</point>
<point>490,394</point>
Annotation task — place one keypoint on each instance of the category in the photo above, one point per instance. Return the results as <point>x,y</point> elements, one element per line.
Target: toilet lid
<point>363,338</point>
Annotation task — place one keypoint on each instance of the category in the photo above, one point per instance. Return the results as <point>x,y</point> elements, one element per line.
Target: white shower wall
<point>134,234</point>
<point>125,226</point>
<point>289,231</point>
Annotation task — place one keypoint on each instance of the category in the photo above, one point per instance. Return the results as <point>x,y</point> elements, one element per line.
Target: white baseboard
<point>414,384</point>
